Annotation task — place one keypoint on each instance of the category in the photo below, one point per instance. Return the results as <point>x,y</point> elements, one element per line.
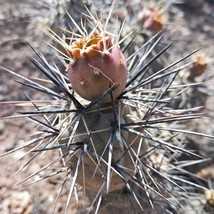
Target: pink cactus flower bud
<point>152,19</point>
<point>97,65</point>
<point>199,66</point>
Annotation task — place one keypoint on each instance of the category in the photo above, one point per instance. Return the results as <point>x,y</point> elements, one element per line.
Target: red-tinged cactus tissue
<point>152,19</point>
<point>96,65</point>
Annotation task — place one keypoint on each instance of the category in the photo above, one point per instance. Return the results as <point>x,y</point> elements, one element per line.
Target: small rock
<point>19,203</point>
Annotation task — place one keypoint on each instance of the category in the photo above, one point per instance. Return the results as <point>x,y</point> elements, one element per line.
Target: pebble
<point>19,202</point>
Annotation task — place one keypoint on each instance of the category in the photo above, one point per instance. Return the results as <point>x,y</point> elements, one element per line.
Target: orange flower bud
<point>199,66</point>
<point>152,19</point>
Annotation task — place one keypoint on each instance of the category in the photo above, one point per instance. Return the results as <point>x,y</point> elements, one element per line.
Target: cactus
<point>95,66</point>
<point>117,138</point>
<point>152,19</point>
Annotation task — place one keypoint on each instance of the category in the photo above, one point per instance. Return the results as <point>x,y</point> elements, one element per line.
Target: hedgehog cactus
<point>97,65</point>
<point>106,145</point>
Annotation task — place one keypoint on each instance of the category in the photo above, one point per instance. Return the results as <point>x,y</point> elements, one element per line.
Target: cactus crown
<point>93,46</point>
